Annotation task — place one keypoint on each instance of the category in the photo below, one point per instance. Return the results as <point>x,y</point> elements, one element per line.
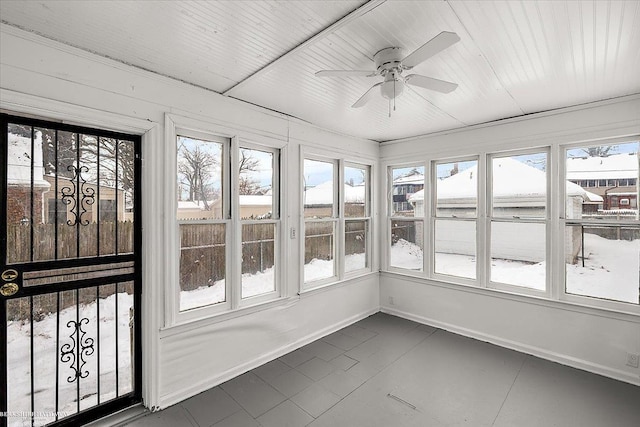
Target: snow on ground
<point>611,271</point>
<point>318,269</point>
<point>46,354</point>
<point>252,285</point>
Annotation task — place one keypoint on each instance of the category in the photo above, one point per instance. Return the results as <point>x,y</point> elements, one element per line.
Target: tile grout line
<point>524,359</point>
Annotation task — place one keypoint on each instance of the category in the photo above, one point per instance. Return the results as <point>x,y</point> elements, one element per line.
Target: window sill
<point>620,314</point>
<point>336,284</point>
<point>210,319</point>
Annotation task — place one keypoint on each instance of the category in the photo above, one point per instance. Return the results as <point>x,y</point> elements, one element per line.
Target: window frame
<point>339,163</point>
<point>233,139</point>
<point>367,219</point>
<point>433,218</point>
<point>390,217</point>
<point>546,221</point>
<point>237,145</point>
<point>563,295</point>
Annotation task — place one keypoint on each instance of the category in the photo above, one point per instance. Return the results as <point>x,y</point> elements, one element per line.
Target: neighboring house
<point>251,207</point>
<point>45,197</point>
<point>318,200</point>
<point>107,202</point>
<point>403,188</point>
<point>614,178</point>
<point>519,191</point>
<point>19,180</point>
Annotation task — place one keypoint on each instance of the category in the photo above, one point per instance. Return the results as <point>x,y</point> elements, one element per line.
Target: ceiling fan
<point>391,63</point>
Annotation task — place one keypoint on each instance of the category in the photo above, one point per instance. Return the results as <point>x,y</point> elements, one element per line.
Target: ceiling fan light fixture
<point>392,87</point>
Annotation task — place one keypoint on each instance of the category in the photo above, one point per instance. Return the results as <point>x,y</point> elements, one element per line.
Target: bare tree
<point>247,163</point>
<point>600,151</point>
<point>195,168</point>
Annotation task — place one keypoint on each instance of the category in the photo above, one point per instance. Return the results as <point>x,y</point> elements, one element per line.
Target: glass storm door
<point>70,273</point>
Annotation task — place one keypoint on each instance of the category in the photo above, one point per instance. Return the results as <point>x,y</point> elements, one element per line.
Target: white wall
<point>50,80</point>
<point>563,328</point>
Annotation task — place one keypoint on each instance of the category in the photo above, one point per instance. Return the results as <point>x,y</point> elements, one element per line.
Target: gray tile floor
<point>390,372</point>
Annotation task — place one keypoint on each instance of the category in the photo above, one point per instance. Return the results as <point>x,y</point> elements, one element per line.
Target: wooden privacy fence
<point>48,237</point>
<point>202,253</point>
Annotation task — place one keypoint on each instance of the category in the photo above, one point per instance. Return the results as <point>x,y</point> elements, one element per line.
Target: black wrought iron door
<point>70,280</point>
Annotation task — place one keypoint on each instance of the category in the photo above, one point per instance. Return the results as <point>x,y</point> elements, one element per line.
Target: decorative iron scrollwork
<point>86,193</point>
<point>82,346</point>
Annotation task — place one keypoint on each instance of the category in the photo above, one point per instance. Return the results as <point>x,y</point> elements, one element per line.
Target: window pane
<point>258,254</point>
<point>355,245</point>
<point>455,248</point>
<point>605,264</point>
<point>407,191</point>
<point>318,198</point>
<point>407,245</point>
<point>457,189</point>
<point>319,246</point>
<point>518,254</point>
<point>202,265</point>
<point>356,191</point>
<point>520,186</point>
<point>199,179</point>
<point>256,184</point>
<point>615,165</point>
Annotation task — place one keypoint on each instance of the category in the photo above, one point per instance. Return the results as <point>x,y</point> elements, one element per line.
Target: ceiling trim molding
<point>355,14</point>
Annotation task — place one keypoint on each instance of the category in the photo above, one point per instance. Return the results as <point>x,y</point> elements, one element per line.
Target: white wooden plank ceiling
<point>514,57</point>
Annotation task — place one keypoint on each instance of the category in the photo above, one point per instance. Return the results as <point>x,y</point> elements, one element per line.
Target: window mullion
<point>234,262</point>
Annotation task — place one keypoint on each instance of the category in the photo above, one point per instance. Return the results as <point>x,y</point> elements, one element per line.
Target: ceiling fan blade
<point>430,83</point>
<point>366,97</point>
<point>345,73</point>
<point>430,48</point>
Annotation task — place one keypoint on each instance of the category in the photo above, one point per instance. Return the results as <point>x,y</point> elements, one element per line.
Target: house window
<point>602,252</point>
<point>454,219</point>
<point>259,214</point>
<point>406,219</point>
<point>518,220</point>
<point>337,219</point>
<point>229,222</point>
<point>203,220</point>
<point>357,217</point>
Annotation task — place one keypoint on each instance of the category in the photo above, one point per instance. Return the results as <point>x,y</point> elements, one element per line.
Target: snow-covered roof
<point>322,194</point>
<point>513,180</point>
<point>416,178</point>
<point>256,200</point>
<point>19,162</point>
<point>617,166</point>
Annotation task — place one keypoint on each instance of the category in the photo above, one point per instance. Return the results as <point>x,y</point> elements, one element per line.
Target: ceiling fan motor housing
<point>388,59</point>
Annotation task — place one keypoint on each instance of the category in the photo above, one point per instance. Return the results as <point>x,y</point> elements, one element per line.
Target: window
<point>454,218</point>
<point>357,217</point>
<point>228,227</point>
<point>602,249</point>
<point>518,220</point>
<point>258,210</point>
<point>203,220</point>
<point>406,218</point>
<point>337,219</point>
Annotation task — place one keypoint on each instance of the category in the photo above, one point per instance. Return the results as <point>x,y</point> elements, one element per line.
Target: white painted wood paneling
<point>213,44</point>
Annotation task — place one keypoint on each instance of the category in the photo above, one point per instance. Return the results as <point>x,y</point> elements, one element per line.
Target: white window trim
<point>555,225</point>
<point>339,161</point>
<point>433,218</point>
<point>562,294</point>
<point>178,125</point>
<point>427,246</point>
<point>546,221</point>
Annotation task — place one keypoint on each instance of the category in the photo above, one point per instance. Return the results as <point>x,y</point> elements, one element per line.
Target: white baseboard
<point>518,346</point>
<point>206,384</point>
